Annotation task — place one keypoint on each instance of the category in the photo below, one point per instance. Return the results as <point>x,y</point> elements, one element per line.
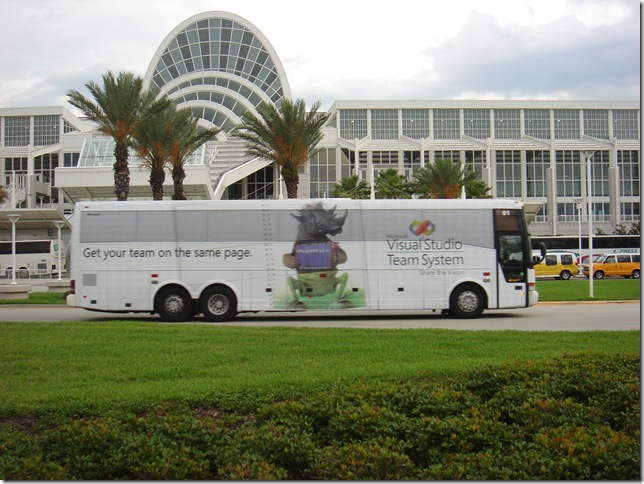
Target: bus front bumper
<point>533,297</point>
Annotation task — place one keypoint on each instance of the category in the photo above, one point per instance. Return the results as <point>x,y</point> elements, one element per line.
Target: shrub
<point>571,417</point>
<point>376,459</point>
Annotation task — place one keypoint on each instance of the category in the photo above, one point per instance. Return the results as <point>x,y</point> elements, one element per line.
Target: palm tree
<point>477,188</point>
<point>391,184</point>
<point>352,187</point>
<point>153,131</point>
<point>442,179</point>
<point>165,137</point>
<point>287,136</point>
<point>186,138</point>
<point>116,106</point>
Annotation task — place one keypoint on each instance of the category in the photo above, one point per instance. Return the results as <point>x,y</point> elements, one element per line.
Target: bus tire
<point>599,275</point>
<point>467,301</point>
<point>173,304</point>
<point>218,304</point>
<point>636,274</point>
<point>565,275</point>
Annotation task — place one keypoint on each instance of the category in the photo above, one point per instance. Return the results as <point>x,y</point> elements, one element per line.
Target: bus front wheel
<point>174,304</point>
<point>218,304</point>
<point>467,301</point>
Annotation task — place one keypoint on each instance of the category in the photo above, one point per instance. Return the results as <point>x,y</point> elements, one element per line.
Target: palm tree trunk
<point>122,184</point>
<point>178,175</point>
<point>291,189</point>
<point>291,181</point>
<point>157,177</point>
<point>121,173</point>
<point>179,192</point>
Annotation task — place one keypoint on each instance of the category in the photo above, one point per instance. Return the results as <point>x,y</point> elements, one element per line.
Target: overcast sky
<point>344,50</point>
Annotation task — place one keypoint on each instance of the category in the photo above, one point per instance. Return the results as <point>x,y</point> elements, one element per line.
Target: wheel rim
<point>218,304</point>
<point>468,301</point>
<point>174,304</point>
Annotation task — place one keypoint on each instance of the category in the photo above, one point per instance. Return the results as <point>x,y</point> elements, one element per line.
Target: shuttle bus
<point>33,258</point>
<point>602,244</point>
<point>179,259</point>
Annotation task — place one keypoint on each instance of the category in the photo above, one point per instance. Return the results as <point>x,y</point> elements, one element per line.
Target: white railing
<point>17,191</point>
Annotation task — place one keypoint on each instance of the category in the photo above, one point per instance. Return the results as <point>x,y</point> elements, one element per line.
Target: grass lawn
<point>39,298</point>
<point>78,367</point>
<point>88,367</point>
<point>579,290</point>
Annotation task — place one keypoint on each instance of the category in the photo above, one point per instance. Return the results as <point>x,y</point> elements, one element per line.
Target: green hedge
<point>572,417</point>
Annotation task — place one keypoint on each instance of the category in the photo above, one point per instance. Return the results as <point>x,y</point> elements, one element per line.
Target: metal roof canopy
<point>32,219</point>
<point>97,183</point>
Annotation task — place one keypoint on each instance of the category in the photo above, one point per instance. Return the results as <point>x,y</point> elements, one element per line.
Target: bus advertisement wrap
<point>300,255</point>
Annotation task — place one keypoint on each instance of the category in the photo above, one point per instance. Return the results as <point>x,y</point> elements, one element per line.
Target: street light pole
<point>578,205</point>
<point>589,181</point>
<point>59,225</point>
<point>13,218</point>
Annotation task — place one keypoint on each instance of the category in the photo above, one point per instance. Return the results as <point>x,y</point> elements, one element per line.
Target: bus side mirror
<point>542,248</point>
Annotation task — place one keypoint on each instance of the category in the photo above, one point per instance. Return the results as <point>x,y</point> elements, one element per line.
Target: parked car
<point>557,264</point>
<point>606,265</point>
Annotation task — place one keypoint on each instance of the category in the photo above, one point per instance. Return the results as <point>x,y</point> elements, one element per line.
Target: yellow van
<point>625,265</point>
<point>557,264</point>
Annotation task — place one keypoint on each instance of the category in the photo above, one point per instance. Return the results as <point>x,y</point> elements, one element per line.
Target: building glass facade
<point>447,124</point>
<point>221,66</point>
<point>537,123</point>
<point>476,123</point>
<point>415,123</point>
<point>507,124</point>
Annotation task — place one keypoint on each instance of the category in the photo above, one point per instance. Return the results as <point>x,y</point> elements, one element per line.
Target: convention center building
<point>222,66</point>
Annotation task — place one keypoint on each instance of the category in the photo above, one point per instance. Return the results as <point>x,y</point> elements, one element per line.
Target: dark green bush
<point>572,417</point>
<point>374,459</point>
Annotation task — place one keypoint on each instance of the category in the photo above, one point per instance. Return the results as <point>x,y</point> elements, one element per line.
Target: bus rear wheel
<point>174,304</point>
<point>218,304</point>
<point>467,301</point>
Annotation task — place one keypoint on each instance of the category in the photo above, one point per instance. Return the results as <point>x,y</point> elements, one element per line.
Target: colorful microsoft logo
<point>422,228</point>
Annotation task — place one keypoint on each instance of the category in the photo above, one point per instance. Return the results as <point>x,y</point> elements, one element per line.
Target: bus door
<point>514,254</point>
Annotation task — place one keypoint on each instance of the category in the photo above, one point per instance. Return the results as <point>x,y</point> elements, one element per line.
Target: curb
<point>624,301</point>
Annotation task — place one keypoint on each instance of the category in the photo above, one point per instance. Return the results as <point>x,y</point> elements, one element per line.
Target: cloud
<point>562,56</point>
<point>467,49</point>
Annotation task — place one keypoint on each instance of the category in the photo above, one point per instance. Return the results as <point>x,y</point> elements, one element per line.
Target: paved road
<point>596,316</point>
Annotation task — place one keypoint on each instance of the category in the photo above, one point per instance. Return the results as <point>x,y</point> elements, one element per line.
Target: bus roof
<point>297,203</point>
